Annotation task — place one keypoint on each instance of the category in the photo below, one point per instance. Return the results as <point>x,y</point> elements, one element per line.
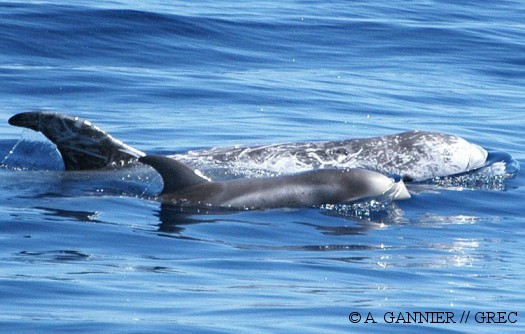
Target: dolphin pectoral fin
<point>175,175</point>
<point>82,145</point>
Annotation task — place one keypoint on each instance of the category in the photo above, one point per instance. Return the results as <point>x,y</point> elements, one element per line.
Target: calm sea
<point>86,253</point>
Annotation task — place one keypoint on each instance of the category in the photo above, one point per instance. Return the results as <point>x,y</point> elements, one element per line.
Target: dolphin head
<point>477,157</point>
<point>362,183</point>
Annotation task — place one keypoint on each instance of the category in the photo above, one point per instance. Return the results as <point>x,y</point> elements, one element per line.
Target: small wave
<point>54,256</point>
<point>380,212</point>
<point>499,167</point>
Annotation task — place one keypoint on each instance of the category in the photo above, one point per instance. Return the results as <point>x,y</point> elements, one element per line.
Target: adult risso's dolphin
<point>185,187</point>
<point>414,155</point>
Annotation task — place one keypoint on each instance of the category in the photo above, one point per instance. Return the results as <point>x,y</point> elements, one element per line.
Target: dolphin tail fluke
<point>82,145</point>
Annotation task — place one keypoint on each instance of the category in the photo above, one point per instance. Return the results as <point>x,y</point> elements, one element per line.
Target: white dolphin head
<point>477,157</point>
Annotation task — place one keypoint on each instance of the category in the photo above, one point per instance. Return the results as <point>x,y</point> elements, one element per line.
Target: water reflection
<point>53,256</point>
<point>175,220</point>
<point>457,253</point>
<point>377,244</point>
<point>84,216</point>
<point>357,222</point>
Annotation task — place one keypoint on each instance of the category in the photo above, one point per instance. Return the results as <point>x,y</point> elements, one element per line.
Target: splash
<point>498,168</point>
<point>32,152</point>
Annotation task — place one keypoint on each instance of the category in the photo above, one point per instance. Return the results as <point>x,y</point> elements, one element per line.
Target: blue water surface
<point>85,252</point>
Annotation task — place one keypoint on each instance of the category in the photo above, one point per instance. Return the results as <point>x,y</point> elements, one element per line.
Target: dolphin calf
<point>183,187</point>
<point>413,155</point>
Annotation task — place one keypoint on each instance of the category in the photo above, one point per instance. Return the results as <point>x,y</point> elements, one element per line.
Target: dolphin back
<point>82,145</point>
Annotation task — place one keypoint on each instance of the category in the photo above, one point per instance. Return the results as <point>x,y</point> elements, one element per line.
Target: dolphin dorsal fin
<point>83,146</point>
<point>175,174</point>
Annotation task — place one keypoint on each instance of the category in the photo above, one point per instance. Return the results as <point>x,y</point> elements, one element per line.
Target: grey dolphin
<point>414,155</point>
<point>185,187</point>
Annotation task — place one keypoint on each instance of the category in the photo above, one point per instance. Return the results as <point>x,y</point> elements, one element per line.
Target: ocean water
<point>87,252</point>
